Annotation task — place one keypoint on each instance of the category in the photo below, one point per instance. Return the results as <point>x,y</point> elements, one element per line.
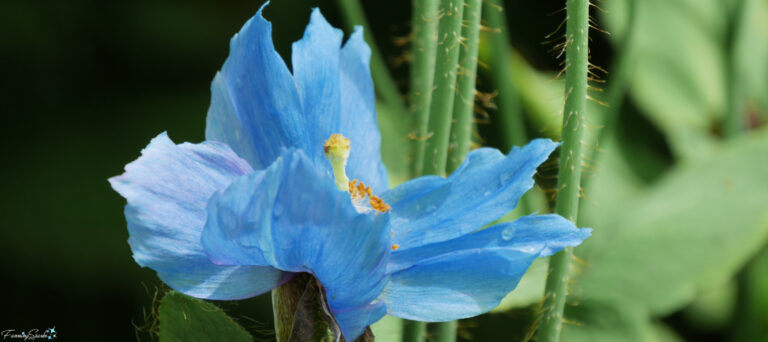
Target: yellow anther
<point>358,191</point>
<point>378,204</point>
<point>395,247</point>
<point>337,151</point>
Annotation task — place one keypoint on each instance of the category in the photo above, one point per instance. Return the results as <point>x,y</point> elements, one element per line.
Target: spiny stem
<point>423,51</point>
<point>385,86</point>
<point>446,66</point>
<point>445,331</point>
<point>425,21</point>
<point>414,331</point>
<point>569,175</point>
<point>464,103</point>
<point>510,110</point>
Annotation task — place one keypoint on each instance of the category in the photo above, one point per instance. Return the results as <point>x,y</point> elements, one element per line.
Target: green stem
<point>414,331</point>
<point>385,85</point>
<point>446,66</point>
<point>510,109</point>
<point>464,103</point>
<point>423,51</point>
<point>509,103</point>
<point>445,331</point>
<point>569,176</point>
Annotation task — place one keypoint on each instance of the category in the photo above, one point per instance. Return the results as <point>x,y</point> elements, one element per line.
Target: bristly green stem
<point>414,331</point>
<point>510,109</point>
<point>569,175</point>
<point>445,331</point>
<point>464,103</point>
<point>385,85</point>
<point>446,67</point>
<point>423,53</point>
<point>463,112</point>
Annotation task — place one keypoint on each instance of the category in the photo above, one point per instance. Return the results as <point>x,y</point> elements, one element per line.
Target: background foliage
<point>679,210</point>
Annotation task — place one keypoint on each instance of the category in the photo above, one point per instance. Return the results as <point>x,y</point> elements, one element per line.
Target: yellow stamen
<point>395,247</point>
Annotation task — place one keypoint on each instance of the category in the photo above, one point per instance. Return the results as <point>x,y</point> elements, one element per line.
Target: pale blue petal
<point>316,71</point>
<point>469,275</point>
<point>167,190</point>
<point>485,187</point>
<point>293,218</point>
<point>255,106</point>
<point>358,114</point>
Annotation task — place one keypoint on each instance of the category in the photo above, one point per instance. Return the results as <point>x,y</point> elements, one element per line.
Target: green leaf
<point>752,53</point>
<point>678,78</point>
<point>694,228</point>
<point>595,321</point>
<point>183,318</point>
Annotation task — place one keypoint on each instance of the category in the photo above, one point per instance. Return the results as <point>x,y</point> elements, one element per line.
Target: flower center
<point>337,151</point>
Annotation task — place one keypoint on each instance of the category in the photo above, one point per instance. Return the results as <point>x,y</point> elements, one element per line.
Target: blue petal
<point>167,190</point>
<point>468,276</point>
<point>316,70</point>
<point>358,114</point>
<point>255,106</point>
<point>292,217</point>
<point>485,187</point>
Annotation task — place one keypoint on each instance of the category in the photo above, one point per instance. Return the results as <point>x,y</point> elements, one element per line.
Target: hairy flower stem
<point>569,175</point>
<point>446,67</point>
<point>385,85</point>
<point>445,331</point>
<point>510,109</point>
<point>414,331</point>
<point>464,103</point>
<point>423,51</point>
<point>463,112</point>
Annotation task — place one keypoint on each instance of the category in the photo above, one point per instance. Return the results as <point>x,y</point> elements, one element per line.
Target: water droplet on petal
<point>508,233</point>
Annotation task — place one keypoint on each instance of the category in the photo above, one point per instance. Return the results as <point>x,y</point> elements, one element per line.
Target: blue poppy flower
<point>268,195</point>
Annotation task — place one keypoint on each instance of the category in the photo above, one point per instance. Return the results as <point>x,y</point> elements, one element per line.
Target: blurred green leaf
<point>183,318</point>
<point>595,321</point>
<point>713,307</point>
<point>678,78</point>
<point>752,52</point>
<point>694,228</point>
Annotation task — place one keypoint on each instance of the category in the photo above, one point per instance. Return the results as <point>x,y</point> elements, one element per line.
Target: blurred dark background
<point>86,85</point>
